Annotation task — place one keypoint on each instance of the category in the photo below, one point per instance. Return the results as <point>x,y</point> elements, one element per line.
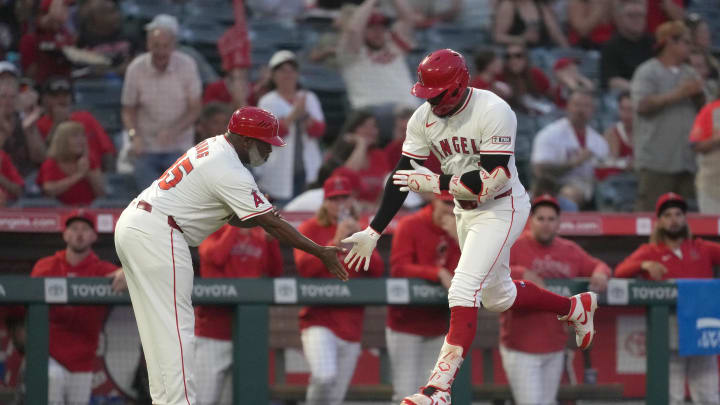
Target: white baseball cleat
<point>582,310</point>
<point>428,396</point>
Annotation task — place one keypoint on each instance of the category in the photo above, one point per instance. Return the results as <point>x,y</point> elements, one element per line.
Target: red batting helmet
<point>443,74</point>
<point>256,123</point>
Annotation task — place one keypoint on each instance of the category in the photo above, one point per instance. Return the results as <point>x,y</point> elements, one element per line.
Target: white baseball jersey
<point>204,188</point>
<point>485,124</point>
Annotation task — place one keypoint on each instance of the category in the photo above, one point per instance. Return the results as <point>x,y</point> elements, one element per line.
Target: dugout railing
<point>252,298</point>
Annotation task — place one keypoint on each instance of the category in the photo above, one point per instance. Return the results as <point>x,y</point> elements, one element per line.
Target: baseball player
<point>534,362</point>
<point>424,246</point>
<point>671,253</point>
<point>206,188</point>
<point>472,133</point>
<point>229,252</point>
<point>75,329</point>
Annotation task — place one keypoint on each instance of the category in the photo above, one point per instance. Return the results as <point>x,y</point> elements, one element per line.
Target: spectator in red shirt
<point>674,253</point>
<point>75,329</point>
<point>591,22</point>
<point>393,150</point>
<point>70,173</point>
<point>230,252</point>
<point>705,139</point>
<point>425,245</point>
<point>533,362</point>
<point>213,121</point>
<point>11,184</point>
<point>331,334</point>
<point>527,82</point>
<point>488,67</point>
<point>660,11</point>
<point>356,156</point>
<point>41,53</point>
<point>234,89</point>
<point>58,103</point>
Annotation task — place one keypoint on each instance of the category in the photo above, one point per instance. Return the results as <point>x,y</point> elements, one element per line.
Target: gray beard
<point>254,156</point>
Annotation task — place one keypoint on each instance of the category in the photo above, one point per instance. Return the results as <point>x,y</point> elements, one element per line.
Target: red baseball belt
<point>144,205</point>
<point>471,205</point>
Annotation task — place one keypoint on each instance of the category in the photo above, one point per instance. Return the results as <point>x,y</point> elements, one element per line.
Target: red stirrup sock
<point>463,324</point>
<point>530,296</point>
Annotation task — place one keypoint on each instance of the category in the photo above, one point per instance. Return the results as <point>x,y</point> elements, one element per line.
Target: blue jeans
<point>149,166</point>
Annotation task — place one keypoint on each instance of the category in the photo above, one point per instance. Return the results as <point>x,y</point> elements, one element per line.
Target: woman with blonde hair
<point>69,173</point>
<point>331,334</point>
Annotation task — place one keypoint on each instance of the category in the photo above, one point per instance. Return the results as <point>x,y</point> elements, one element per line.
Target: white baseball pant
<point>534,377</point>
<point>701,374</point>
<point>66,387</point>
<point>213,359</point>
<point>159,273</point>
<point>486,235</point>
<point>332,364</point>
<point>412,358</point>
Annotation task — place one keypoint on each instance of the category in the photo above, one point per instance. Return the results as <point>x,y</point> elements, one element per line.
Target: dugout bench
<point>252,298</point>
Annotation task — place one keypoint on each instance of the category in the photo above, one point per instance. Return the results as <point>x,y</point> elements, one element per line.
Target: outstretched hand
<point>329,257</point>
<point>364,243</point>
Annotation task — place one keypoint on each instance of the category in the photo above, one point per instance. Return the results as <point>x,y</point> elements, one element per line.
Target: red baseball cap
<point>670,200</point>
<point>336,185</point>
<point>545,199</point>
<point>562,63</point>
<point>79,214</point>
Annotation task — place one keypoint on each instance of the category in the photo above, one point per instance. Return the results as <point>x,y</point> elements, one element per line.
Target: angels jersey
<point>204,188</point>
<point>484,125</point>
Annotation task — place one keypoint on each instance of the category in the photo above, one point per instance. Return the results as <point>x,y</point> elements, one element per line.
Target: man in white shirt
<point>372,58</point>
<point>161,100</point>
<point>568,149</point>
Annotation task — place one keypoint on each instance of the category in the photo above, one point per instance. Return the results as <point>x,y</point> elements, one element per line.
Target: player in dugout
<point>229,252</point>
<point>534,362</point>
<point>331,334</point>
<point>75,329</point>
<point>674,253</point>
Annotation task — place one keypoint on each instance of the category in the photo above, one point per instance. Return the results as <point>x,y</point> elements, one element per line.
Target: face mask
<point>255,158</point>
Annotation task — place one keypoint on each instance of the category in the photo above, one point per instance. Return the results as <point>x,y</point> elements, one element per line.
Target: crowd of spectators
<point>645,68</point>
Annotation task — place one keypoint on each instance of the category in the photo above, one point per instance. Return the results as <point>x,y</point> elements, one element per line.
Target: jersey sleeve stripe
<point>411,155</point>
<point>496,152</point>
<point>254,214</point>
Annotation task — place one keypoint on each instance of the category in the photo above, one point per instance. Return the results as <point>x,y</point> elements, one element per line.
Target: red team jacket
<point>368,183</point>
<point>697,261</point>
<point>74,329</point>
<point>420,249</point>
<point>99,143</point>
<point>80,193</point>
<point>346,322</point>
<point>562,259</point>
<point>233,253</point>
